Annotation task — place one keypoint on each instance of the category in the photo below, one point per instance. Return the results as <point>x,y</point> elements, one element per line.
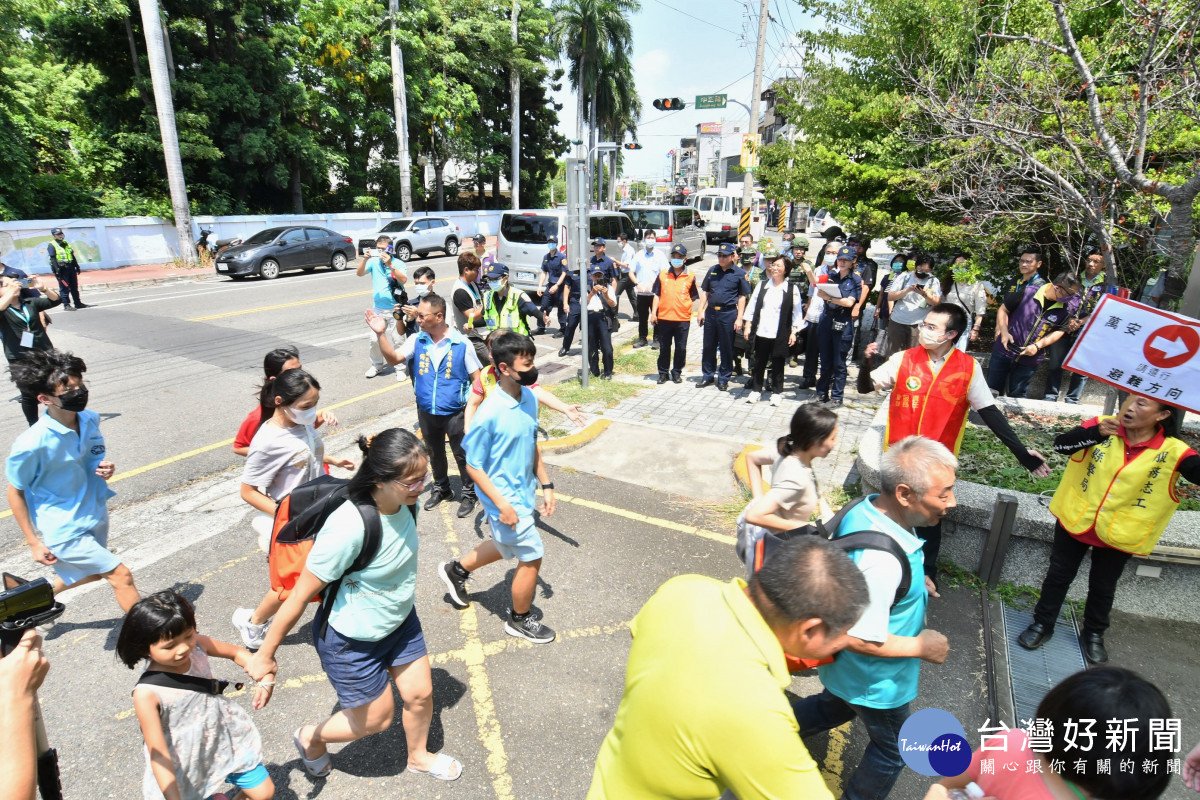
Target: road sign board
<point>711,100</point>
<point>750,143</point>
<point>1142,350</point>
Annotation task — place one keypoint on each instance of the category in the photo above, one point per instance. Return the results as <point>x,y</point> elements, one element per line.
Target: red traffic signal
<point>632,146</point>
<point>669,104</point>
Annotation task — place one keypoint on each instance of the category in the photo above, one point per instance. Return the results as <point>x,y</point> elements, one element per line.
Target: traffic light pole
<point>578,195</point>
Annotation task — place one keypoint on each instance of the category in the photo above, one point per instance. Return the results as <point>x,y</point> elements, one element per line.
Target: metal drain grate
<point>1032,673</point>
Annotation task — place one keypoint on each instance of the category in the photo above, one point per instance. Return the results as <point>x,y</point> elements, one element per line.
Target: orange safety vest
<point>1128,504</point>
<point>924,404</point>
<point>675,296</point>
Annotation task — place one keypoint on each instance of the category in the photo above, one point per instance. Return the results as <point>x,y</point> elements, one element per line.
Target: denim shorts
<point>358,670</point>
<point>522,541</point>
<point>84,555</point>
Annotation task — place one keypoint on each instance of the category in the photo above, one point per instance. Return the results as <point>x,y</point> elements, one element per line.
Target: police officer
<point>571,293</point>
<point>604,263</point>
<point>722,303</point>
<point>835,331</point>
<point>66,268</point>
<point>507,308</point>
<point>674,291</point>
<point>554,265</point>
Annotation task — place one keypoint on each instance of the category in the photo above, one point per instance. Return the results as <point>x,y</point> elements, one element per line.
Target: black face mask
<point>74,400</point>
<point>527,378</point>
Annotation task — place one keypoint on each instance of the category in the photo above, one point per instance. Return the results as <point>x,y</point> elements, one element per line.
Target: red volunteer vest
<point>931,406</point>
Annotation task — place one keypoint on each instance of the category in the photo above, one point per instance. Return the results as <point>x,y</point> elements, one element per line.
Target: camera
<point>24,605</point>
<point>27,283</point>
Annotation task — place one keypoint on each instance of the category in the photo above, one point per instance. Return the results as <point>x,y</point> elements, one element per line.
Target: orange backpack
<point>300,517</point>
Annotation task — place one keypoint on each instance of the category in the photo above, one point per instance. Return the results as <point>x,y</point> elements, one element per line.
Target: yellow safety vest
<point>508,315</point>
<point>62,251</point>
<point>1128,504</point>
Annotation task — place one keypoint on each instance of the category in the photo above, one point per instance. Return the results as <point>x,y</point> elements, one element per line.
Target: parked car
<point>821,221</point>
<point>521,243</point>
<point>721,210</point>
<point>275,250</point>
<point>417,235</point>
<point>671,225</point>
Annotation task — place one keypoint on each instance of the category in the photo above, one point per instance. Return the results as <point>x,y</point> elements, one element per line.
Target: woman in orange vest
<point>1116,497</point>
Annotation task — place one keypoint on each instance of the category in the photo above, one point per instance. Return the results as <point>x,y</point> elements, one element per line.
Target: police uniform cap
<point>55,231</point>
<point>497,271</point>
<point>727,249</point>
<point>848,253</point>
<point>679,250</point>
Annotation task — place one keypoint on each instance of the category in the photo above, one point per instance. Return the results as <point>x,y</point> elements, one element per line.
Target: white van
<point>721,210</point>
<point>521,242</point>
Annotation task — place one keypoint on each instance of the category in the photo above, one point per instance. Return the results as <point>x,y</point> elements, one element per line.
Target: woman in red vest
<point>1116,497</point>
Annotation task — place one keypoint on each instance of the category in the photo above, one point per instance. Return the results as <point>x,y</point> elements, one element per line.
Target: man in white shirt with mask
<point>646,265</point>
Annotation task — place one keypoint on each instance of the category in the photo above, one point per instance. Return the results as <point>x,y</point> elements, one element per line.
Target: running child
<point>286,452</point>
<point>504,461</point>
<point>276,362</point>
<point>57,478</point>
<point>488,379</point>
<point>196,741</point>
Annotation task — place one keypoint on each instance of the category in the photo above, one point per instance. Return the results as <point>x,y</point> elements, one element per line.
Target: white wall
<point>123,242</point>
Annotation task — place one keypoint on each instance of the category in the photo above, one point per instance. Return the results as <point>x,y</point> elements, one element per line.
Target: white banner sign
<point>1141,350</point>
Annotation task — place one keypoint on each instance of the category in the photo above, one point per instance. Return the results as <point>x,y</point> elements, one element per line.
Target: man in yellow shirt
<point>704,709</point>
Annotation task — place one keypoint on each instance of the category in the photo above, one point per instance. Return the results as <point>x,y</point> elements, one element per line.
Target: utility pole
<point>156,54</point>
<point>748,182</point>
<point>514,90</point>
<point>400,108</point>
<point>578,199</point>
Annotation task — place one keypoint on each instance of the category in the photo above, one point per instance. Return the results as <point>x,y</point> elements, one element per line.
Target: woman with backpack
<point>793,495</point>
<point>368,634</point>
<point>286,452</point>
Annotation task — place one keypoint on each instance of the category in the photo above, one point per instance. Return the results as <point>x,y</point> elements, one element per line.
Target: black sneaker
<point>529,629</point>
<point>654,345</point>
<point>436,495</point>
<point>606,376</point>
<point>456,587</point>
<point>722,387</point>
<point>640,343</point>
<point>677,379</point>
<point>82,305</point>
<point>466,506</point>
<point>662,379</point>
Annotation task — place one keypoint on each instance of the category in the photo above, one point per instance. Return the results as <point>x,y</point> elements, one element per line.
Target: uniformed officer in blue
<point>554,273</point>
<point>722,302</point>
<point>835,331</point>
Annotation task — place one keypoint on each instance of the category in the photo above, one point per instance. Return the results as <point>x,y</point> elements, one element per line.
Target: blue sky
<point>682,48</point>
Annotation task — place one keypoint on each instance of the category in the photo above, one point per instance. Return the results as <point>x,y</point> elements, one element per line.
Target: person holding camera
<point>21,674</point>
<point>385,272</point>
<point>23,327</point>
<point>601,301</point>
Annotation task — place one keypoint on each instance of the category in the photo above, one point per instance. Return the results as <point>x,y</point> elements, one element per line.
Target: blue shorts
<point>522,542</point>
<point>250,778</point>
<point>358,670</point>
<point>84,555</point>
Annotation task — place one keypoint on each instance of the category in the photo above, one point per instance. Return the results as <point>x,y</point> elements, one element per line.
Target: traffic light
<point>669,104</point>
<point>632,146</point>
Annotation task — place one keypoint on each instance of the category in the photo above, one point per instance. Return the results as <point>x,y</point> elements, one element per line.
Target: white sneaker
<point>252,635</point>
<point>776,399</point>
<point>401,374</point>
<point>751,397</point>
<point>372,371</point>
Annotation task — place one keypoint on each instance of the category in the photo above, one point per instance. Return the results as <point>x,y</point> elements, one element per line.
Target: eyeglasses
<point>929,326</point>
<point>1064,293</point>
<point>415,486</point>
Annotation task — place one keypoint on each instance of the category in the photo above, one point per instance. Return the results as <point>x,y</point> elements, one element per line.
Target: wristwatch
<point>548,485</point>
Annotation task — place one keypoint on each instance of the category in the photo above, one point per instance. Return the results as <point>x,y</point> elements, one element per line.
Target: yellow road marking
<point>224,443</point>
<point>481,689</point>
<point>834,765</point>
<point>225,314</point>
<point>658,522</point>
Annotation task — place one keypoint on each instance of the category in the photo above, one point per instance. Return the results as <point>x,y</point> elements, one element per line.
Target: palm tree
<point>615,109</point>
<point>588,31</point>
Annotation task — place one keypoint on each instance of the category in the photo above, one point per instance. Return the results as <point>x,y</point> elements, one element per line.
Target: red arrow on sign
<point>1171,345</point>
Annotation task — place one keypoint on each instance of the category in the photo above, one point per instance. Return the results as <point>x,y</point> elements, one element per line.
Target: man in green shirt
<point>703,709</point>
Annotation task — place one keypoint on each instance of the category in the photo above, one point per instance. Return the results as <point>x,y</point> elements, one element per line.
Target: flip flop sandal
<point>445,768</point>
<point>318,767</point>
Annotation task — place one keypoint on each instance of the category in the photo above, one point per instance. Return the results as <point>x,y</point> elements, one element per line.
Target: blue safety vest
<point>441,389</point>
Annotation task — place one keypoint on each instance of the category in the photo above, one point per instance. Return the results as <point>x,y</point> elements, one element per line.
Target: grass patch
<point>642,361</point>
<point>983,459</point>
<point>725,513</point>
<point>838,496</point>
<point>952,576</point>
<point>602,394</point>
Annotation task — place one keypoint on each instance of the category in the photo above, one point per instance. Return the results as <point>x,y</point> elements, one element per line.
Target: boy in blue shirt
<point>387,273</point>
<point>504,461</point>
<point>57,478</point>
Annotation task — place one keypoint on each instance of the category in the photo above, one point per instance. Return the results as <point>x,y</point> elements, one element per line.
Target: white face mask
<point>421,289</point>
<point>303,416</point>
<point>677,262</point>
<point>830,260</point>
<point>649,244</point>
<point>929,339</point>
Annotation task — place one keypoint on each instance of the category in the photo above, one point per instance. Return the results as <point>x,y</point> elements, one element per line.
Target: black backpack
<point>858,540</point>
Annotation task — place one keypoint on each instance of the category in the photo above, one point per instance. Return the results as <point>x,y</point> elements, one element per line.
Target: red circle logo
<point>1171,345</point>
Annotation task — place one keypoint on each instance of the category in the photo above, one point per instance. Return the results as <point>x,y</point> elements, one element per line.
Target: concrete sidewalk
<point>143,275</point>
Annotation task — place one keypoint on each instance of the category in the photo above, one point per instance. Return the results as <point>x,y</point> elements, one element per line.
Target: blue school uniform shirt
<point>56,469</point>
<point>502,443</point>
